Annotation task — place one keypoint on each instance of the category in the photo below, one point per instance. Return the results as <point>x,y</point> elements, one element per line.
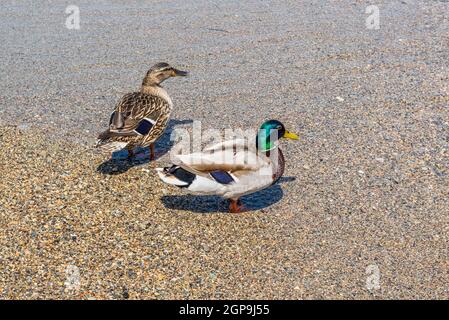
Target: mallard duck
<point>233,168</point>
<point>140,118</point>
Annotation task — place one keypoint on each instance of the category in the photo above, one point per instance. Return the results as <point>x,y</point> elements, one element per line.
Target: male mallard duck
<point>232,168</point>
<point>140,118</point>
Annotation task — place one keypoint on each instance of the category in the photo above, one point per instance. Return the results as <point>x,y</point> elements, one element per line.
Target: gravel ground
<point>366,186</point>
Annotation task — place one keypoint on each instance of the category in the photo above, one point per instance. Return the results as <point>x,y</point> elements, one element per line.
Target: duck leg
<point>236,206</point>
<point>130,153</point>
<point>152,152</point>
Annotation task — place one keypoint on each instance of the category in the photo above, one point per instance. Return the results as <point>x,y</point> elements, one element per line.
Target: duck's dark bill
<point>180,73</point>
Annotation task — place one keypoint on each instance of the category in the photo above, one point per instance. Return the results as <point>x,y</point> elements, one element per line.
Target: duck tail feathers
<point>106,144</point>
<point>105,135</point>
<point>175,175</point>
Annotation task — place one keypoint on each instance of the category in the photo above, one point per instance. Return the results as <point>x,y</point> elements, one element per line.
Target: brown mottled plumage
<point>151,105</point>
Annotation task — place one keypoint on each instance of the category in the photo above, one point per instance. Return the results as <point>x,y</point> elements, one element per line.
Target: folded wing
<point>235,157</point>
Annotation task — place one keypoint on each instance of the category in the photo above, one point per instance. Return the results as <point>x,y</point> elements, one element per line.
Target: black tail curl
<point>180,174</point>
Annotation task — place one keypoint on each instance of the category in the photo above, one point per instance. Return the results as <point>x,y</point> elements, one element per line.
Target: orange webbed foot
<point>236,207</point>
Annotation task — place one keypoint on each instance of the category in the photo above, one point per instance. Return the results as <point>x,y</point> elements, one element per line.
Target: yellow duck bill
<point>290,135</point>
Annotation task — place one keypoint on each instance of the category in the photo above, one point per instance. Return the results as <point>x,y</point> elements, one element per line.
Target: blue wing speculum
<point>143,127</point>
<point>222,177</point>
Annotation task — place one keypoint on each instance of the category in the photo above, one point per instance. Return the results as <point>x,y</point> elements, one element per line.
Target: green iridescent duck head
<point>270,132</point>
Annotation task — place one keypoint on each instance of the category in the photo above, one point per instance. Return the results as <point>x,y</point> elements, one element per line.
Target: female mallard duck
<point>140,118</point>
<point>232,168</point>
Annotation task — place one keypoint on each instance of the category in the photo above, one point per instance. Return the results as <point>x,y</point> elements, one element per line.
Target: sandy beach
<point>365,191</point>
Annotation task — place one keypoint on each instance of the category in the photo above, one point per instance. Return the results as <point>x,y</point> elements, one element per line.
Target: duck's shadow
<point>119,162</point>
<point>215,204</point>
